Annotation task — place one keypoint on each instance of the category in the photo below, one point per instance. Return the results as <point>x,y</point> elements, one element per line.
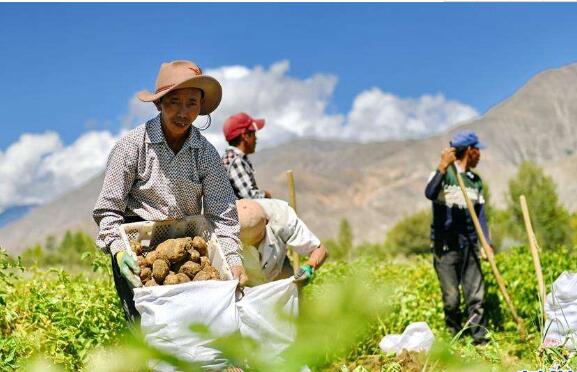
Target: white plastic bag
<point>168,311</point>
<point>561,312</point>
<point>416,337</point>
<point>266,314</point>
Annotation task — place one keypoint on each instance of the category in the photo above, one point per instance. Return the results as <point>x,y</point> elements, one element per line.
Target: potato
<point>200,245</point>
<point>174,250</point>
<point>190,269</point>
<point>159,270</point>
<point>194,255</point>
<point>213,272</point>
<point>136,247</point>
<point>202,275</point>
<point>204,261</point>
<point>151,257</point>
<point>141,261</point>
<point>182,278</point>
<point>171,279</point>
<point>150,283</point>
<point>145,274</point>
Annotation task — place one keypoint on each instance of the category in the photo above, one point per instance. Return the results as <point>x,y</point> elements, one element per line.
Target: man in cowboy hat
<point>454,239</point>
<point>165,169</point>
<point>240,133</point>
<point>268,227</point>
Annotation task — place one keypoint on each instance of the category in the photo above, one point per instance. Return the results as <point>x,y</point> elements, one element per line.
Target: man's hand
<point>447,158</point>
<point>491,252</point>
<point>239,273</point>
<point>267,194</point>
<point>128,268</point>
<point>305,272</point>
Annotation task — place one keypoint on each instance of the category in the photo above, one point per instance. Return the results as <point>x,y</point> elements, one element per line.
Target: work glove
<point>305,272</point>
<point>129,269</point>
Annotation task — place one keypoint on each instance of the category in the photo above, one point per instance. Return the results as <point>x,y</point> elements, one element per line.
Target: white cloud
<point>296,108</point>
<point>292,107</point>
<point>38,167</point>
<point>377,115</point>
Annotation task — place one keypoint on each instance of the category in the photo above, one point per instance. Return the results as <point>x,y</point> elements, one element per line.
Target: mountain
<point>14,214</point>
<point>374,184</point>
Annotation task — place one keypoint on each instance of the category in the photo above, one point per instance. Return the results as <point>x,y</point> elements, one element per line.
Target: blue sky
<point>67,67</point>
<point>360,72</point>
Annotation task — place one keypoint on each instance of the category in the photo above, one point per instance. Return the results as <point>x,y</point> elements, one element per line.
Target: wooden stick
<point>490,256</point>
<point>292,254</point>
<point>533,246</point>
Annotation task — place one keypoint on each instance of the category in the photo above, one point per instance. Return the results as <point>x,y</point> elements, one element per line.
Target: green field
<point>73,320</point>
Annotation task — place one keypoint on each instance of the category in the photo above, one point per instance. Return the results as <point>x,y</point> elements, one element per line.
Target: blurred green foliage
<point>75,321</point>
<point>551,221</point>
<point>342,247</point>
<point>68,253</point>
<point>57,314</point>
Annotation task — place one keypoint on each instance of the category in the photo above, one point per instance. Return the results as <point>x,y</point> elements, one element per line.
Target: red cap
<point>237,124</point>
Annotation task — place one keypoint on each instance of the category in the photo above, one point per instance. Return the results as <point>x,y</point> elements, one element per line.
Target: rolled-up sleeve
<point>111,204</point>
<point>219,204</point>
<point>298,235</point>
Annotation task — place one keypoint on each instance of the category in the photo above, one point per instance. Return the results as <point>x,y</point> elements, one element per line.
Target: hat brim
<point>209,85</point>
<point>259,123</point>
<point>480,145</point>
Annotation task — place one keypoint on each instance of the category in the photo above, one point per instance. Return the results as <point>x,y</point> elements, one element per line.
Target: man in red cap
<point>240,133</point>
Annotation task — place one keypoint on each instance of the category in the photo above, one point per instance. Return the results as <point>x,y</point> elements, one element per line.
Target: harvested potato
<point>174,250</point>
<point>200,245</point>
<point>194,255</point>
<point>171,279</point>
<point>151,257</point>
<point>204,261</point>
<point>136,247</point>
<point>202,275</point>
<point>190,269</point>
<point>145,274</point>
<point>182,278</point>
<point>141,261</point>
<point>150,283</point>
<point>160,270</point>
<point>213,272</point>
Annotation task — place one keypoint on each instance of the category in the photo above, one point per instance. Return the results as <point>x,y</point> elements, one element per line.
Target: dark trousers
<point>125,294</point>
<point>462,267</point>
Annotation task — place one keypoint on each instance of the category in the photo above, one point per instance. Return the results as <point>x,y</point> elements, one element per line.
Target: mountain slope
<point>374,184</point>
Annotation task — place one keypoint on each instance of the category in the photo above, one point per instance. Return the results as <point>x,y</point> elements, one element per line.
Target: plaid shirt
<point>145,178</point>
<point>241,174</point>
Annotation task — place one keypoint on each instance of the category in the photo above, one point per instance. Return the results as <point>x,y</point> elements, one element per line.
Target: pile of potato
<point>175,261</point>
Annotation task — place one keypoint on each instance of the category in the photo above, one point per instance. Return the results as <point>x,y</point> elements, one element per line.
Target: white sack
<point>266,314</point>
<point>168,311</point>
<point>416,337</point>
<point>561,313</point>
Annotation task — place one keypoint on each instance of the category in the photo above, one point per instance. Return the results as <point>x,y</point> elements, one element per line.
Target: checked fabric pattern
<point>144,177</point>
<point>241,174</point>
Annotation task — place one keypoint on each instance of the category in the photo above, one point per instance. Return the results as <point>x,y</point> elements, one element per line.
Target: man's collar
<point>468,172</point>
<point>154,134</point>
<point>236,150</point>
<point>458,166</point>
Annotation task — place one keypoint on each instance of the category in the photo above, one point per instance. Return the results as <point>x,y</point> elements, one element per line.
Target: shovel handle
<point>491,258</point>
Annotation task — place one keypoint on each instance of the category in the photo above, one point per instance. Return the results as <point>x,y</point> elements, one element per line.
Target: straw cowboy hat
<point>185,74</point>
